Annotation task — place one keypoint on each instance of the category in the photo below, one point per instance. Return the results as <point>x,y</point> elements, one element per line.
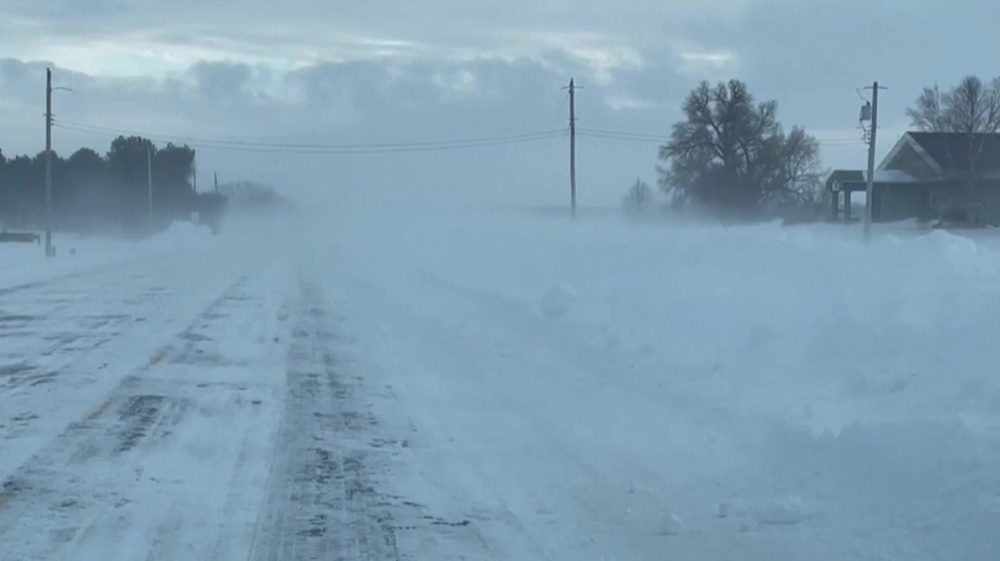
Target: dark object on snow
<point>19,237</point>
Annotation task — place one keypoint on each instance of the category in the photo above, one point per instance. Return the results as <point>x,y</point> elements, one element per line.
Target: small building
<point>929,175</point>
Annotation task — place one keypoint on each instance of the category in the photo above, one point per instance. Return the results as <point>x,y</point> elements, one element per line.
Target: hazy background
<point>379,71</point>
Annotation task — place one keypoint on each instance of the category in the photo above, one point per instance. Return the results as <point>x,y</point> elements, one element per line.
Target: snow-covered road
<point>384,386</point>
<point>138,405</point>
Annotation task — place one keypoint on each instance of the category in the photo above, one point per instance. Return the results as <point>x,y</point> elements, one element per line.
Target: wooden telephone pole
<point>149,181</point>
<point>572,144</point>
<point>49,250</point>
<point>870,187</point>
<point>48,162</point>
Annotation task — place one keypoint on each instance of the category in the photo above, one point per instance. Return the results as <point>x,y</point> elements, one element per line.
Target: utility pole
<point>870,187</point>
<point>149,179</point>
<point>572,144</point>
<point>49,250</point>
<point>48,162</point>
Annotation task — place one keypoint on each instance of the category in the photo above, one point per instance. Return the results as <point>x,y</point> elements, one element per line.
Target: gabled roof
<point>907,141</point>
<point>953,151</point>
<point>845,175</point>
<point>840,177</point>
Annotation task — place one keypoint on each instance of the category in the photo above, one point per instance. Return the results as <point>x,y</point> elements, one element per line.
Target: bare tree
<point>639,197</point>
<point>731,154</point>
<point>929,112</point>
<point>975,107</point>
<point>969,107</point>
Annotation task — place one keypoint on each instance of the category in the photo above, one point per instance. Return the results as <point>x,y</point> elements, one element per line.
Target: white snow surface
<point>26,263</point>
<point>386,385</point>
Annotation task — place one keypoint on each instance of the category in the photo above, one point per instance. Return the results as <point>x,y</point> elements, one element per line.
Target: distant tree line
<point>94,192</point>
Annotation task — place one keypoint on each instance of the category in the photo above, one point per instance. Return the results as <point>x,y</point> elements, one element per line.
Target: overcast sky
<point>391,71</point>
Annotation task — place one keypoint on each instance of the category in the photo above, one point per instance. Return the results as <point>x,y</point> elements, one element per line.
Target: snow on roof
<point>890,176</point>
<point>881,176</point>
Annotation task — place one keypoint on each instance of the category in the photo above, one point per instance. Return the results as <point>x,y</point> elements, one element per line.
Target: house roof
<point>844,176</point>
<point>853,180</point>
<point>955,150</point>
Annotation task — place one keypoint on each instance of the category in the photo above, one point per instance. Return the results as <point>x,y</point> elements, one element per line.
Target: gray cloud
<point>222,80</point>
<point>377,71</point>
<point>365,102</point>
<point>600,33</point>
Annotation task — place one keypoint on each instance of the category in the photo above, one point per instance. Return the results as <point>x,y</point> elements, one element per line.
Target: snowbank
<point>846,394</point>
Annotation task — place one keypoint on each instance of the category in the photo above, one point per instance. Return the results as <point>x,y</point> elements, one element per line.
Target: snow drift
<point>769,379</point>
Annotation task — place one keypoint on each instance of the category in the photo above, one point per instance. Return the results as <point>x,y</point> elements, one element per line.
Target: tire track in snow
<point>495,521</point>
<point>45,335</point>
<point>56,359</point>
<point>566,478</point>
<point>322,496</point>
<point>77,488</point>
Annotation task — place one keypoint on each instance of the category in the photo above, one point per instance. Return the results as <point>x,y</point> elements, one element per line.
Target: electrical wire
<point>660,139</point>
<point>274,147</point>
<point>622,134</point>
<point>382,148</point>
<point>331,148</point>
<point>601,136</point>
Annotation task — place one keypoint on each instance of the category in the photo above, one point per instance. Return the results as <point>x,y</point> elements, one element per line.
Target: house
<point>954,176</point>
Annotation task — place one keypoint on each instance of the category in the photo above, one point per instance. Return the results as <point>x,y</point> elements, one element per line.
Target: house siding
<point>988,193</point>
<point>903,201</point>
<point>899,202</point>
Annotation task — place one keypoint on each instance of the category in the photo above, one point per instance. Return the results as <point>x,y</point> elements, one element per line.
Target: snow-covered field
<point>384,385</point>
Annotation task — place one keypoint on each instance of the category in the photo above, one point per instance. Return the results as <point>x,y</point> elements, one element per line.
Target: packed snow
<point>503,385</point>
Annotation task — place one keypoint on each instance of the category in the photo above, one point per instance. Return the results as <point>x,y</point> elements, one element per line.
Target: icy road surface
<point>510,387</point>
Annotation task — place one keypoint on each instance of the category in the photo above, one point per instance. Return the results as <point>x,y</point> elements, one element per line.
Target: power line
<point>387,147</point>
<point>659,139</point>
<point>327,148</point>
<point>294,148</point>
<point>605,136</point>
<point>98,128</point>
<point>637,135</point>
